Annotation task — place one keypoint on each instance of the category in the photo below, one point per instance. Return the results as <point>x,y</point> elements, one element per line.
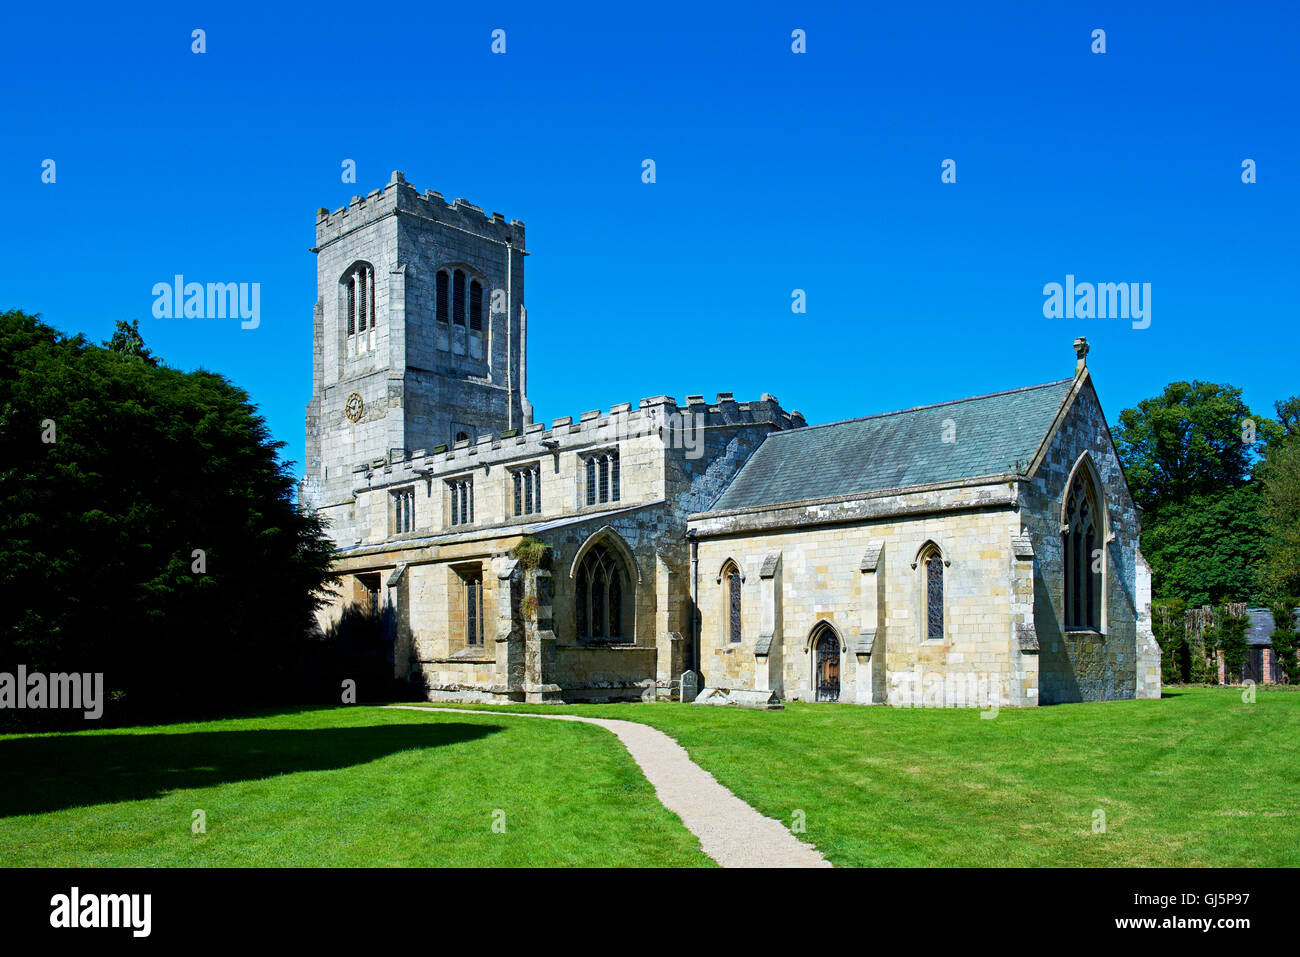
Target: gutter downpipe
<point>695,606</point>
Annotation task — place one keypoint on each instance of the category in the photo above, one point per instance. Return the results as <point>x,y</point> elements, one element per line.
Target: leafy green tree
<point>127,341</point>
<point>1209,549</point>
<point>149,529</point>
<point>1288,415</point>
<point>1168,626</point>
<point>1232,642</point>
<point>1187,442</point>
<point>1279,475</point>
<point>1188,455</point>
<point>1284,639</point>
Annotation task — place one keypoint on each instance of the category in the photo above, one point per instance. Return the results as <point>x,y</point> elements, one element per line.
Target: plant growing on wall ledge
<point>532,553</point>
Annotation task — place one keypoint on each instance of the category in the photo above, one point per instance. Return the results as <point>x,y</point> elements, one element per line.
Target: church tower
<point>418,333</point>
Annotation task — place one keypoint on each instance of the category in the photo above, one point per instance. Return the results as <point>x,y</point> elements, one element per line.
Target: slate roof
<point>898,449</point>
<point>1260,632</point>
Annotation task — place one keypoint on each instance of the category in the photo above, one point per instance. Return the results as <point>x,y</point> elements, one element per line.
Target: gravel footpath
<point>730,831</point>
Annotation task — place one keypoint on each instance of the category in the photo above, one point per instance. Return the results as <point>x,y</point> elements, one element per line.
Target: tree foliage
<point>1284,639</point>
<point>1280,508</point>
<point>1207,550</point>
<point>127,341</point>
<point>1168,626</point>
<point>1232,642</point>
<point>155,539</point>
<point>1188,455</point>
<point>1187,442</point>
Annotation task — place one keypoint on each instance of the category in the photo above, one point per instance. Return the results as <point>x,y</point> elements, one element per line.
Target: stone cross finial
<point>1081,354</point>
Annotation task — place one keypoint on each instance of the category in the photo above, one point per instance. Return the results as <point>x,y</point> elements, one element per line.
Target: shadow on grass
<point>52,773</point>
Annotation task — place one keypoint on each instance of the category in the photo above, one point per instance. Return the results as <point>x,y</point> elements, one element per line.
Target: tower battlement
<point>400,197</point>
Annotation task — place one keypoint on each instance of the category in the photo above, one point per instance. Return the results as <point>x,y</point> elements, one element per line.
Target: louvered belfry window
<point>359,286</point>
<point>458,297</point>
<point>475,304</point>
<point>443,296</point>
<point>362,300</point>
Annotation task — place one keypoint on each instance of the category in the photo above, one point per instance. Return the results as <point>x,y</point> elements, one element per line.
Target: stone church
<point>982,551</point>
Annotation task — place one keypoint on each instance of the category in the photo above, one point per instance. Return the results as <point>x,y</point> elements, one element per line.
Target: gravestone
<point>690,686</point>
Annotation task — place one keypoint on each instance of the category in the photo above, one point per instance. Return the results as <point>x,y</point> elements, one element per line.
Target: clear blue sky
<point>775,171</point>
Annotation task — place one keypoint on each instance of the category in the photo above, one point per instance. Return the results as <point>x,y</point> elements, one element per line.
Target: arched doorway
<point>826,664</point>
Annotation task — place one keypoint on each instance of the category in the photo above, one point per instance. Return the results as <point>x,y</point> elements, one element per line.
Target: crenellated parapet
<point>658,418</point>
<point>399,197</point>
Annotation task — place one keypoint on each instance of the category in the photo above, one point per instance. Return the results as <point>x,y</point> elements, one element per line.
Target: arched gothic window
<point>932,567</point>
<point>731,579</point>
<point>1083,544</point>
<point>458,295</point>
<point>599,595</point>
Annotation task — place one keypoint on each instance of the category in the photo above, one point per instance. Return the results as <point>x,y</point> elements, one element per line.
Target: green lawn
<point>1198,778</point>
<point>342,786</point>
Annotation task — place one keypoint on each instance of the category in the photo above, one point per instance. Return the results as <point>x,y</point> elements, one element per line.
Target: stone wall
<point>1086,665</point>
<point>662,476</point>
<point>859,578</point>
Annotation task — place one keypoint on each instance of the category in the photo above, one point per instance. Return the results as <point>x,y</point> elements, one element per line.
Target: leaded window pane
<point>733,587</point>
<point>1083,585</point>
<point>934,596</point>
<point>615,604</point>
<point>599,595</point>
<point>581,599</point>
<point>473,635</point>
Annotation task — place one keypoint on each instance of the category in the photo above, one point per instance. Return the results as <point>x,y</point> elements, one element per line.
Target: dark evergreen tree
<point>149,529</point>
